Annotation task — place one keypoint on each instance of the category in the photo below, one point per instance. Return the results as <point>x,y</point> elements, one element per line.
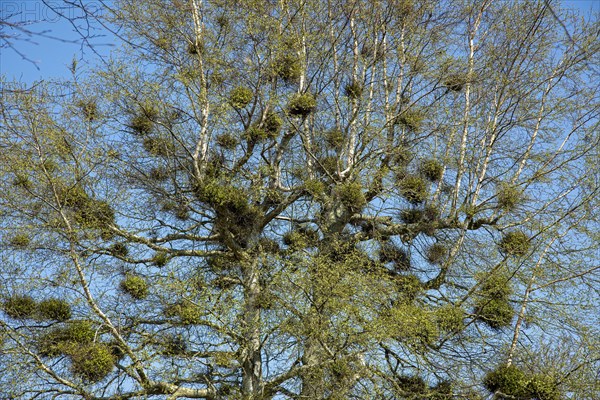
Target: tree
<point>308,200</point>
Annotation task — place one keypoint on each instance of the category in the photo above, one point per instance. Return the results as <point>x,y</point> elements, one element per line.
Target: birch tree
<point>308,200</point>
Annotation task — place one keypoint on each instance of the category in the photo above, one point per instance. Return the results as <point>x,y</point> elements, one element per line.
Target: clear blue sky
<point>48,58</point>
<point>48,52</point>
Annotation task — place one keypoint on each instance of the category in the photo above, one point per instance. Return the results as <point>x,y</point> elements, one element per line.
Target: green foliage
<point>455,82</point>
<point>401,156</point>
<point>160,258</point>
<point>436,253</point>
<point>413,188</point>
<point>19,306</point>
<point>431,169</point>
<point>353,90</point>
<point>266,300</point>
<point>411,215</point>
<point>20,241</point>
<point>158,146</point>
<point>508,196</point>
<point>411,119</point>
<point>54,310</point>
<point>119,249</point>
<point>515,243</point>
<point>22,181</point>
<point>327,164</point>
<point>442,391</point>
<point>272,124</point>
<point>288,67</point>
<point>97,214</point>
<point>269,246</point>
<point>390,253</point>
<point>334,138</point>
<point>88,212</point>
<point>512,381</point>
<point>409,286</point>
<point>314,187</point>
<point>301,105</point>
<point>163,43</point>
<point>493,306</point>
<point>174,345</point>
<point>240,97</point>
<point>450,318</point>
<point>171,207</point>
<point>226,141</point>
<point>351,195</point>
<point>256,134</point>
<point>116,350</point>
<point>543,387</point>
<point>92,362</point>
<point>74,197</point>
<point>301,238</point>
<point>221,262</point>
<point>89,109</point>
<point>185,311</point>
<point>195,48</point>
<point>412,384</point>
<point>159,174</point>
<point>369,53</point>
<point>182,212</point>
<point>219,195</point>
<point>413,325</point>
<point>508,379</point>
<point>62,339</point>
<point>141,124</point>
<point>135,286</point>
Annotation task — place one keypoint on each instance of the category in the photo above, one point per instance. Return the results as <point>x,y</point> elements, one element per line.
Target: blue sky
<point>49,56</point>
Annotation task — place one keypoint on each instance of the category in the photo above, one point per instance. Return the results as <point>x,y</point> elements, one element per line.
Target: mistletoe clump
<point>93,362</point>
<point>302,104</point>
<point>436,253</point>
<point>185,311</point>
<point>88,212</point>
<point>141,124</point>
<point>158,146</point>
<point>89,109</point>
<point>334,138</point>
<point>61,340</point>
<point>353,89</point>
<point>411,119</point>
<point>119,249</point>
<point>240,97</point>
<point>22,181</point>
<point>515,243</point>
<point>413,188</point>
<point>272,124</point>
<point>391,253</point>
<point>411,215</point>
<point>227,141</point>
<point>455,82</point>
<point>493,306</point>
<point>19,306</point>
<point>20,241</point>
<point>288,67</point>
<point>160,258</point>
<point>508,196</point>
<point>54,310</point>
<point>301,238</point>
<point>135,286</point>
<point>351,195</point>
<point>431,170</point>
<point>450,318</point>
<point>508,379</point>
